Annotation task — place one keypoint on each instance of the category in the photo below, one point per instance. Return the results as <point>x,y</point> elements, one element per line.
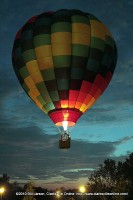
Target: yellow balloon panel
<point>43,51</point>
<point>97,29</point>
<point>45,63</point>
<point>61,37</point>
<point>80,28</point>
<point>81,38</point>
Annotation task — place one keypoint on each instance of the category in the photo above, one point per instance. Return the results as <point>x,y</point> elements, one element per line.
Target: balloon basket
<point>64,144</point>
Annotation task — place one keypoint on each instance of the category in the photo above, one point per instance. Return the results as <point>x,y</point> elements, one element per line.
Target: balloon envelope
<point>64,61</point>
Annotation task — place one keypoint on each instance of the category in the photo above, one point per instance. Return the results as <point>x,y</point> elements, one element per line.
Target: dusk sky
<point>28,138</point>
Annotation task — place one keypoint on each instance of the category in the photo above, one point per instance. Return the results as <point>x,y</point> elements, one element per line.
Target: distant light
<point>2,190</point>
<point>58,193</point>
<point>82,189</point>
<point>65,125</point>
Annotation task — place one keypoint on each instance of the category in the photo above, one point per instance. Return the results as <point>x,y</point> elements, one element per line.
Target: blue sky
<point>29,140</point>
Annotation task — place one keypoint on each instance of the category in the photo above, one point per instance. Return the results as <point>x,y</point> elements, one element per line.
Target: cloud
<point>125,139</point>
<point>27,150</point>
<point>32,177</point>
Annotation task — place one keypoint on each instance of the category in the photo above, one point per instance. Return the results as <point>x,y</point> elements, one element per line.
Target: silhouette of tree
<point>128,173</point>
<point>4,179</point>
<point>29,189</point>
<point>4,182</point>
<point>16,188</point>
<point>113,177</point>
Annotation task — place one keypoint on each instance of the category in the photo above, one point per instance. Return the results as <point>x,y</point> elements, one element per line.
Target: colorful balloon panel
<point>64,60</point>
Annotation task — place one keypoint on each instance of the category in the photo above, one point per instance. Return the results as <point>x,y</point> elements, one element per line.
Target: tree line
<point>111,181</point>
<point>113,178</point>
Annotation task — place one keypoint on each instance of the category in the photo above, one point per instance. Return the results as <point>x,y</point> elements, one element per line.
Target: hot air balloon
<point>64,61</point>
